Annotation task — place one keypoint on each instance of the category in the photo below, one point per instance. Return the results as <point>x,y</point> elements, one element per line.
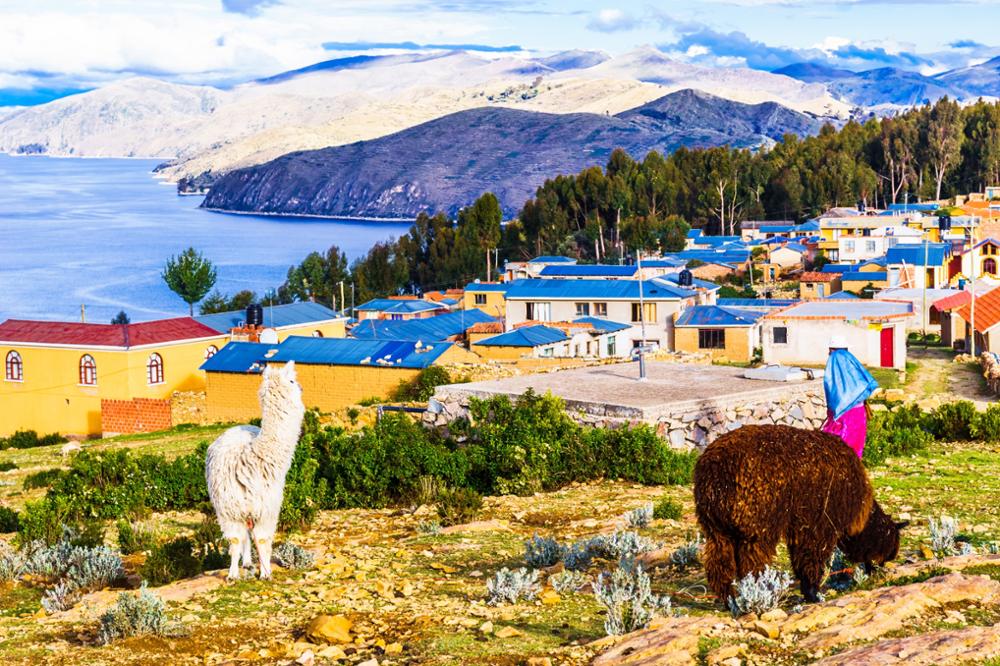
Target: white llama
<point>246,467</point>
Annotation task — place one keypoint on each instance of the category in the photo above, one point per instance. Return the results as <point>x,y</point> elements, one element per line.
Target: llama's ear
<point>288,372</point>
<point>902,525</point>
<point>268,371</point>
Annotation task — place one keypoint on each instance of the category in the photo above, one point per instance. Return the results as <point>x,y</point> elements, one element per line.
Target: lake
<point>96,232</point>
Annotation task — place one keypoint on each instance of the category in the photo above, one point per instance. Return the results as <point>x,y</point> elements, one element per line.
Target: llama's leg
<point>753,556</point>
<point>247,555</point>
<point>263,533</point>
<point>720,565</point>
<point>235,534</point>
<point>808,562</point>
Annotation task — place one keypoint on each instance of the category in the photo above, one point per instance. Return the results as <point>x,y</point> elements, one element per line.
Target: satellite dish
<point>269,336</point>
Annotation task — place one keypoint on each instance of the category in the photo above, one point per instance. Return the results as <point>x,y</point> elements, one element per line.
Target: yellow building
<point>332,373</point>
<point>726,333</point>
<point>816,284</point>
<point>490,297</point>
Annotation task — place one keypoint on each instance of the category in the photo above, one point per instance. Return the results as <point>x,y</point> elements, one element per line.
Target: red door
<point>886,344</point>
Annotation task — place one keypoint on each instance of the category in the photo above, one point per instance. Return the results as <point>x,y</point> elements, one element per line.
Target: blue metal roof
<point>348,351</point>
<point>878,261</point>
<point>798,247</point>
<point>428,329</point>
<point>865,276</point>
<point>725,256</point>
<point>275,316</point>
<point>703,284</point>
<point>479,287</point>
<point>694,233</point>
<point>756,302</point>
<point>900,208</point>
<point>838,268</point>
<point>809,225</point>
<point>664,262</point>
<point>545,288</point>
<point>238,357</point>
<point>913,254</point>
<point>552,259</point>
<point>777,229</point>
<point>404,306</point>
<point>715,241</point>
<point>602,325</point>
<point>526,336</point>
<point>590,270</point>
<point>716,315</point>
<point>842,294</point>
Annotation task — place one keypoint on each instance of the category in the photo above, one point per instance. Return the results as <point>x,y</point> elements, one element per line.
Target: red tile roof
<point>987,310</point>
<point>103,335</point>
<point>816,276</point>
<point>951,301</point>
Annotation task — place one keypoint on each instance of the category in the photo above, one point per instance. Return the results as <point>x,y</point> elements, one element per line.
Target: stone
<point>539,661</point>
<point>330,629</point>
<point>972,645</point>
<point>306,658</point>
<point>549,597</point>
<point>332,652</point>
<point>894,395</point>
<point>724,654</point>
<point>796,413</point>
<point>775,615</point>
<point>507,632</point>
<point>766,629</point>
<point>393,648</point>
<point>486,627</point>
<point>678,438</point>
<point>370,662</point>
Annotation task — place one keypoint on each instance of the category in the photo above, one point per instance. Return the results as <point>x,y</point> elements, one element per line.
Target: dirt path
<point>937,376</point>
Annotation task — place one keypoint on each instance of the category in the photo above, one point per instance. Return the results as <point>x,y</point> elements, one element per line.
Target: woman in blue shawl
<point>847,385</point>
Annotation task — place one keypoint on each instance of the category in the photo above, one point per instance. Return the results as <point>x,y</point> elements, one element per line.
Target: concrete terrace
<point>614,391</point>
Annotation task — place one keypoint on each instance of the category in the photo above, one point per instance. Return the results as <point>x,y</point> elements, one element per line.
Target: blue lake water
<point>98,231</point>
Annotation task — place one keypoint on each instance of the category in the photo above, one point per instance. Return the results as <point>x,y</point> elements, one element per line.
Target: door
<point>886,340</point>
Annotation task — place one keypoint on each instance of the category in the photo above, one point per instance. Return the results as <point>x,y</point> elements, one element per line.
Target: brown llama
<point>757,485</point>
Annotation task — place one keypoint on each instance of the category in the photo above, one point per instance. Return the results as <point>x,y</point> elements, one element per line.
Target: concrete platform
<point>614,390</point>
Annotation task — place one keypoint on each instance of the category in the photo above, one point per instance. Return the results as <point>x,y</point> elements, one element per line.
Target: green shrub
<point>105,484</point>
<point>305,491</point>
<point>134,614</point>
<point>171,561</point>
<point>895,433</point>
<point>421,387</point>
<point>952,421</point>
<point>9,520</point>
<point>7,466</point>
<point>134,538</point>
<point>668,509</point>
<point>986,426</point>
<point>28,439</point>
<point>42,479</point>
<point>638,454</point>
<point>457,506</point>
<point>43,520</point>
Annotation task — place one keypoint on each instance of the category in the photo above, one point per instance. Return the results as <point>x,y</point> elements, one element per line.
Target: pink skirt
<point>852,427</point>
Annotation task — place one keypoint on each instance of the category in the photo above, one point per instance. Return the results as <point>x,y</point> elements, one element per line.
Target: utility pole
<point>642,320</point>
<point>352,299</point>
<point>343,303</point>
<point>972,306</point>
<point>923,307</point>
<point>83,313</point>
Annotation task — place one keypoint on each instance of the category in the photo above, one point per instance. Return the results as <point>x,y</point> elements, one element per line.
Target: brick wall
<point>119,417</point>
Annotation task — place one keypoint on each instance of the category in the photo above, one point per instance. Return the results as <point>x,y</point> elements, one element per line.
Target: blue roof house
<point>723,332</point>
<point>398,309</point>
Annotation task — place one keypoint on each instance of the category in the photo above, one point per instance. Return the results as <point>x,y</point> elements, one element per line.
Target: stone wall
<point>686,425</point>
<point>124,417</point>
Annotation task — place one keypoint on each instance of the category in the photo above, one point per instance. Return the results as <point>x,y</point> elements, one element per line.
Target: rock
<point>765,629</point>
<point>486,627</point>
<point>667,641</point>
<point>370,662</point>
<point>394,648</point>
<point>894,395</point>
<point>724,654</point>
<point>733,661</point>
<point>539,661</point>
<point>332,652</point>
<point>330,629</point>
<point>507,632</point>
<point>972,645</point>
<point>775,615</point>
<point>549,597</point>
<point>306,658</point>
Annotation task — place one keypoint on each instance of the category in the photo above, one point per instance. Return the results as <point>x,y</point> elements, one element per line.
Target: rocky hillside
<point>447,163</point>
<point>882,87</point>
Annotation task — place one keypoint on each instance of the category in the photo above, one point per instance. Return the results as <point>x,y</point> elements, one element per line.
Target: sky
<point>50,48</point>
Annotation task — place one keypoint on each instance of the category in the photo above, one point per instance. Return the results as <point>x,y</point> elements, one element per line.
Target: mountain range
<point>446,163</point>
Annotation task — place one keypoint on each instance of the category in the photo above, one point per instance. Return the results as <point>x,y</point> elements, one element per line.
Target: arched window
<point>154,369</point>
<point>88,370</point>
<point>317,334</point>
<point>210,351</point>
<point>990,266</point>
<point>15,368</point>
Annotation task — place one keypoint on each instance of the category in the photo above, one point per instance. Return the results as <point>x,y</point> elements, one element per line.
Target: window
<point>611,345</point>
<point>538,311</point>
<point>650,312</point>
<point>88,370</point>
<point>154,369</point>
<point>990,266</point>
<point>396,317</point>
<point>317,334</point>
<point>600,309</point>
<point>480,299</point>
<point>583,309</point>
<point>711,338</point>
<point>547,352</point>
<point>211,351</point>
<point>870,247</point>
<point>849,246</point>
<point>15,368</point>
<point>780,335</point>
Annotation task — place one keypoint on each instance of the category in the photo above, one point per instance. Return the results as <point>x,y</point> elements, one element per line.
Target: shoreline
<point>346,218</point>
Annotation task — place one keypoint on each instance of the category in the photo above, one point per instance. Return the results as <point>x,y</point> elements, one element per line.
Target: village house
<point>726,333</point>
<point>818,284</point>
<point>857,249</point>
<point>399,308</point>
<point>305,318</point>
<point>789,255</point>
<point>981,260</point>
<point>587,337</point>
<point>925,316</point>
<point>863,282</point>
<point>953,328</point>
<point>449,327</point>
<point>984,322</point>
<point>486,296</point>
<point>919,265</point>
<point>333,373</point>
<point>520,270</point>
<point>875,331</point>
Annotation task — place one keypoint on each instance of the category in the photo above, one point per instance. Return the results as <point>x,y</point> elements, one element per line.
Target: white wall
<point>808,340</point>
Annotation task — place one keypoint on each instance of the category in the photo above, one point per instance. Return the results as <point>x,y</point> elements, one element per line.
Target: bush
<point>135,538</point>
<point>457,506</point>
<point>421,387</point>
<point>640,516</point>
<point>292,556</point>
<point>943,533</point>
<point>759,593</point>
<point>541,552</point>
<point>567,581</point>
<point>899,432</point>
<point>952,421</point>
<point>986,426</point>
<point>42,479</point>
<point>28,439</point>
<point>620,545</point>
<point>9,520</point>
<point>689,554</point>
<point>627,596</point>
<point>506,586</point>
<point>7,466</point>
<point>47,521</point>
<point>640,455</point>
<point>171,561</point>
<point>135,614</point>
<point>668,509</point>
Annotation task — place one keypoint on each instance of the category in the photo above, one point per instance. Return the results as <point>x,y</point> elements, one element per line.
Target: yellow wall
<point>499,353</point>
<point>496,303</point>
<point>330,329</point>
<point>857,285</point>
<point>51,399</point>
<point>810,290</point>
<point>231,397</point>
<point>737,343</point>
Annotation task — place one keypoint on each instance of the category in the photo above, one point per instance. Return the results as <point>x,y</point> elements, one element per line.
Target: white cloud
<point>612,20</point>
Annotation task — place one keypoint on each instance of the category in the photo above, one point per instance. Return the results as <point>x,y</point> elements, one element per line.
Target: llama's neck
<point>279,432</point>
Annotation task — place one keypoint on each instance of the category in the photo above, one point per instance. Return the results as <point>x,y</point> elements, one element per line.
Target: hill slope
<point>446,163</point>
<point>885,86</point>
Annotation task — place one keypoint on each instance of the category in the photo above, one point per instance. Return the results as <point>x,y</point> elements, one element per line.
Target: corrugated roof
<point>798,247</point>
<point>348,351</point>
<point>987,310</point>
<point>716,315</point>
<point>715,241</point>
<point>275,316</point>
<point>104,335</point>
<point>694,233</point>
<point>865,276</point>
<point>552,259</point>
<point>763,303</point>
<point>841,294</point>
<point>913,254</point>
<point>662,263</point>
<point>809,225</point>
<point>844,309</point>
<point>674,278</point>
<point>526,336</point>
<point>730,257</point>
<point>777,229</point>
<point>595,270</point>
<point>440,327</point>
<point>838,268</point>
<point>393,305</point>
<point>480,287</point>
<point>602,325</point>
<point>540,288</point>
<point>239,357</point>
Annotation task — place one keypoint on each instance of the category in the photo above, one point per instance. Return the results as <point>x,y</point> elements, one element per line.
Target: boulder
<point>330,629</point>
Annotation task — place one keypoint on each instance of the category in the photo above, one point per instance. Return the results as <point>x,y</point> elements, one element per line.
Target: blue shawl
<point>846,382</point>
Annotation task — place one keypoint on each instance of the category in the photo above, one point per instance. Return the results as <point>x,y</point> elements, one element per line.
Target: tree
<point>219,302</point>
<point>189,275</point>
<point>317,278</point>
<point>942,134</point>
<point>121,318</point>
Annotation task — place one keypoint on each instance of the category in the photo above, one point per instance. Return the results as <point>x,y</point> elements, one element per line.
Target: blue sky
<point>51,47</point>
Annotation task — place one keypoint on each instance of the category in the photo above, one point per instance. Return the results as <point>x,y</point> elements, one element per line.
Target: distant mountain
<point>448,162</point>
<point>979,80</point>
<point>575,59</point>
<point>885,86</point>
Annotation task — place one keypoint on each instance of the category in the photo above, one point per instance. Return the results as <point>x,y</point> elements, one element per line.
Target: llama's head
<point>877,543</point>
<point>280,393</point>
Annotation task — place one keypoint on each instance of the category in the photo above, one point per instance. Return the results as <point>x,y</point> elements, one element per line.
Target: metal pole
<point>972,307</point>
<point>343,303</point>
<point>642,320</point>
<point>923,307</point>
